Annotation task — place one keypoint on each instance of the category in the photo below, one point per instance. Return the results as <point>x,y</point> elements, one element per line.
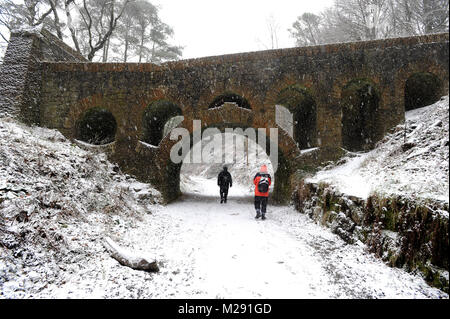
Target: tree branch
<point>42,18</point>
<point>89,26</point>
<point>3,37</point>
<point>69,24</point>
<point>56,17</point>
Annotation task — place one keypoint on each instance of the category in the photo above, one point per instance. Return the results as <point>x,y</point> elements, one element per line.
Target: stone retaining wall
<point>403,233</point>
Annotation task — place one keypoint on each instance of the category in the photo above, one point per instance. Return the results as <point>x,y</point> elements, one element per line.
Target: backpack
<point>225,179</point>
<point>263,184</point>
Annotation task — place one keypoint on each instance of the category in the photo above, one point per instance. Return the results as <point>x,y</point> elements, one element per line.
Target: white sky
<point>215,27</point>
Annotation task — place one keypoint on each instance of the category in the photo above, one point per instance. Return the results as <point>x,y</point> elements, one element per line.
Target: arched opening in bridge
<point>300,102</point>
<point>170,171</point>
<point>230,97</point>
<point>96,126</point>
<point>422,89</point>
<point>158,119</point>
<point>241,155</point>
<point>359,102</point>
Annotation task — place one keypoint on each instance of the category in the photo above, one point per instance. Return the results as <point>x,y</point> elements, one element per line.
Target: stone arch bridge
<point>341,96</point>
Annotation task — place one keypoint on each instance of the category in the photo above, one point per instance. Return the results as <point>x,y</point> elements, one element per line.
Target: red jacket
<point>256,180</point>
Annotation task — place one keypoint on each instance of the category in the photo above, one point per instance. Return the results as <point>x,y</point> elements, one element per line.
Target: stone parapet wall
<point>310,51</point>
<point>259,77</point>
<point>53,49</point>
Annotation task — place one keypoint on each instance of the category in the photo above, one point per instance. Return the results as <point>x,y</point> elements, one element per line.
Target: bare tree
<point>422,16</point>
<point>273,28</point>
<point>29,13</point>
<point>98,19</point>
<point>54,5</point>
<point>350,20</point>
<point>146,35</point>
<point>331,30</point>
<point>306,29</point>
<point>70,24</point>
<point>312,29</point>
<point>131,27</point>
<point>144,24</point>
<point>34,14</point>
<point>161,50</point>
<point>272,32</point>
<point>6,17</point>
<point>125,32</point>
<point>363,19</point>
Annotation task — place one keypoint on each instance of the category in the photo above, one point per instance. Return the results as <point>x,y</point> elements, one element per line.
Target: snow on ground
<point>58,203</point>
<point>202,186</point>
<point>212,250</point>
<point>415,165</point>
<point>242,168</point>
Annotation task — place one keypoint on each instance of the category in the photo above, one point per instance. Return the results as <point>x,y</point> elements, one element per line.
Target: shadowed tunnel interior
<point>359,102</point>
<point>232,98</point>
<point>96,126</point>
<point>155,117</point>
<point>300,102</point>
<point>421,89</point>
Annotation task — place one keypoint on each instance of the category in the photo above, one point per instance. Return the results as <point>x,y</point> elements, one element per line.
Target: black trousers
<point>261,203</point>
<point>223,193</point>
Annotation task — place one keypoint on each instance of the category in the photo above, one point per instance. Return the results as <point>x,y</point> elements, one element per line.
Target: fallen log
<point>128,259</point>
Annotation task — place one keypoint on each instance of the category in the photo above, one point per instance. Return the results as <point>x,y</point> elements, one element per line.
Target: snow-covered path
<point>205,249</point>
<point>221,251</point>
<point>232,255</point>
<point>210,250</point>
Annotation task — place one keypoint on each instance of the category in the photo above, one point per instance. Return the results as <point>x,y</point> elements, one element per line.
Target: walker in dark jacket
<point>224,181</point>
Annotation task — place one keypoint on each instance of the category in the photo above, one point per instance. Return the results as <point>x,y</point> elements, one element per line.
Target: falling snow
<point>59,202</point>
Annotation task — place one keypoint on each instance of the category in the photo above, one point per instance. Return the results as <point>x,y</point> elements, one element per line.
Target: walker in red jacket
<point>262,181</point>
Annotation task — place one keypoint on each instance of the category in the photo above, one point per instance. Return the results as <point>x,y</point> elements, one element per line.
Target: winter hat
<point>264,169</point>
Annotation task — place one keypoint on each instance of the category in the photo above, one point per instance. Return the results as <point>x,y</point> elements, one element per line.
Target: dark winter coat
<point>224,179</point>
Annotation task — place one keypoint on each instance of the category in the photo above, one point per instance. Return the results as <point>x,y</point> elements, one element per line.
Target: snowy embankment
<point>413,164</point>
<point>210,250</point>
<point>57,202</point>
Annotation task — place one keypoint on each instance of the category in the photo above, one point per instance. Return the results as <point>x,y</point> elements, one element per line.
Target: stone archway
<point>360,103</point>
<point>154,119</point>
<point>167,175</point>
<point>302,105</point>
<point>96,126</point>
<point>422,89</point>
<point>229,97</point>
<point>434,71</point>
